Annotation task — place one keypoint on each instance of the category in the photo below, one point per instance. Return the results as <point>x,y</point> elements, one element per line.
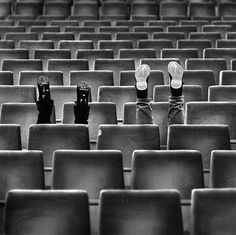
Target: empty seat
<point>181,54</point>
<point>46,54</point>
<point>129,23</point>
<point>212,36</point>
<point>56,37</point>
<point>21,170</point>
<point>6,78</point>
<point>213,211</point>
<point>99,113</point>
<point>95,37</point>
<point>134,37</point>
<point>96,23</point>
<point>137,54</point>
<point>113,30</point>
<point>186,29</point>
<point>115,65</point>
<point>56,9</point>
<point>203,78</point>
<point>117,94</point>
<point>115,45</point>
<point>157,45</point>
<point>92,171</point>
<point>208,113</point>
<point>11,29</point>
<point>222,93</point>
<point>156,77</point>
<point>199,23</point>
<point>160,64</point>
<point>223,29</point>
<point>123,212</point>
<point>226,43</point>
<point>227,9</point>
<point>202,9</point>
<point>216,65</point>
<point>64,23</point>
<point>77,30</point>
<point>168,169</point>
<point>114,9</point>
<point>162,23</point>
<point>171,9</point>
<point>42,29</point>
<point>33,9</point>
<point>7,22</point>
<point>227,77</point>
<point>94,79</point>
<point>5,9</point>
<point>66,66</point>
<point>47,212</point>
<point>40,135</point>
<point>18,65</point>
<point>225,53</point>
<point>200,45</point>
<point>85,11</point>
<point>203,138</point>
<point>31,77</point>
<point>174,37</point>
<point>7,44</point>
<point>230,35</point>
<point>225,22</point>
<point>148,29</point>
<point>144,9</point>
<point>75,45</point>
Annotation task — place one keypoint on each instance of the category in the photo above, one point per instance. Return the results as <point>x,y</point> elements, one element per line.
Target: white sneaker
<point>176,72</point>
<point>141,75</point>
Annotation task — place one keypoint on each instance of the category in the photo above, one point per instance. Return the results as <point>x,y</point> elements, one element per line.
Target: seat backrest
<point>140,212</point>
<point>212,36</point>
<point>203,138</point>
<point>223,29</point>
<point>226,43</point>
<point>56,9</point>
<point>89,170</point>
<point>173,36</point>
<point>227,9</point>
<point>6,78</point>
<point>17,37</point>
<point>213,211</point>
<point>173,9</point>
<point>201,9</point>
<point>28,8</point>
<point>47,212</point>
<point>134,37</point>
<point>21,170</point>
<point>5,9</point>
<point>227,77</point>
<point>222,93</point>
<point>41,134</point>
<point>7,44</point>
<point>169,169</point>
<point>85,9</point>
<point>128,138</point>
<point>144,9</point>
<point>115,9</point>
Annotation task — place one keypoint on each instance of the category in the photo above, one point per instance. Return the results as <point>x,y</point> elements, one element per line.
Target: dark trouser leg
<point>176,110</point>
<point>143,112</point>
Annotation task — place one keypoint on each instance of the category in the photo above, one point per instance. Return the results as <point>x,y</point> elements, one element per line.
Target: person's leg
<point>143,108</point>
<point>44,103</point>
<point>176,100</point>
<point>81,107</point>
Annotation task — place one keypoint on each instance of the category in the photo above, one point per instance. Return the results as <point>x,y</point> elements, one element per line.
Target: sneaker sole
<point>141,82</point>
<point>176,73</point>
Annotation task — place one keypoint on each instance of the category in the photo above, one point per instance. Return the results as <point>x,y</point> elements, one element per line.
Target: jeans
<point>175,112</point>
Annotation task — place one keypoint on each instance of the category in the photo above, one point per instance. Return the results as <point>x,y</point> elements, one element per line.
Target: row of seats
<point>116,10</point>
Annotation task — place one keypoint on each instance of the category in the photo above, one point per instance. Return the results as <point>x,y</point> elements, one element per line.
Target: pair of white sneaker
<point>174,69</point>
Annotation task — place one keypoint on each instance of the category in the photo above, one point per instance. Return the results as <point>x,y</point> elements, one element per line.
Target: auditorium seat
<point>225,22</point>
<point>100,113</point>
<point>21,170</point>
<point>128,138</point>
<point>226,43</point>
<point>113,30</point>
<point>162,23</point>
<point>117,94</point>
<point>46,54</point>
<point>77,30</point>
<point>64,23</point>
<point>93,54</point>
<point>137,54</point>
<point>198,23</point>
<point>42,29</point>
<point>160,64</point>
<point>28,23</point>
<point>144,10</point>
<point>200,45</point>
<point>92,171</point>
<point>66,66</point>
<point>129,23</point>
<point>20,17</point>
<point>85,11</point>
<point>47,212</point>
<point>18,65</point>
<point>56,37</point>
<point>148,29</point>
<point>216,65</point>
<point>74,45</point>
<point>40,135</point>
<point>233,64</point>
<point>28,8</point>
<point>172,9</point>
<point>162,93</point>
<point>225,53</point>
<point>223,29</point>
<point>212,36</point>
<point>212,113</point>
<point>203,138</point>
<point>6,78</point>
<point>222,93</point>
<point>186,29</point>
<point>11,29</point>
<point>32,45</point>
<point>156,77</point>
<point>7,22</point>
<point>115,45</point>
<point>96,23</point>
<point>156,44</point>
<point>31,77</point>
<point>94,79</point>
<point>17,37</point>
<point>213,211</point>
<point>202,9</point>
<point>167,169</point>
<point>227,77</point>
<point>56,8</point>
<point>114,10</point>
<point>203,78</point>
<point>95,37</point>
<point>134,37</point>
<point>173,36</point>
<point>115,65</point>
<point>6,9</point>
<point>7,44</point>
<point>140,212</point>
<point>181,54</point>
<point>227,9</point>
<point>230,35</point>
